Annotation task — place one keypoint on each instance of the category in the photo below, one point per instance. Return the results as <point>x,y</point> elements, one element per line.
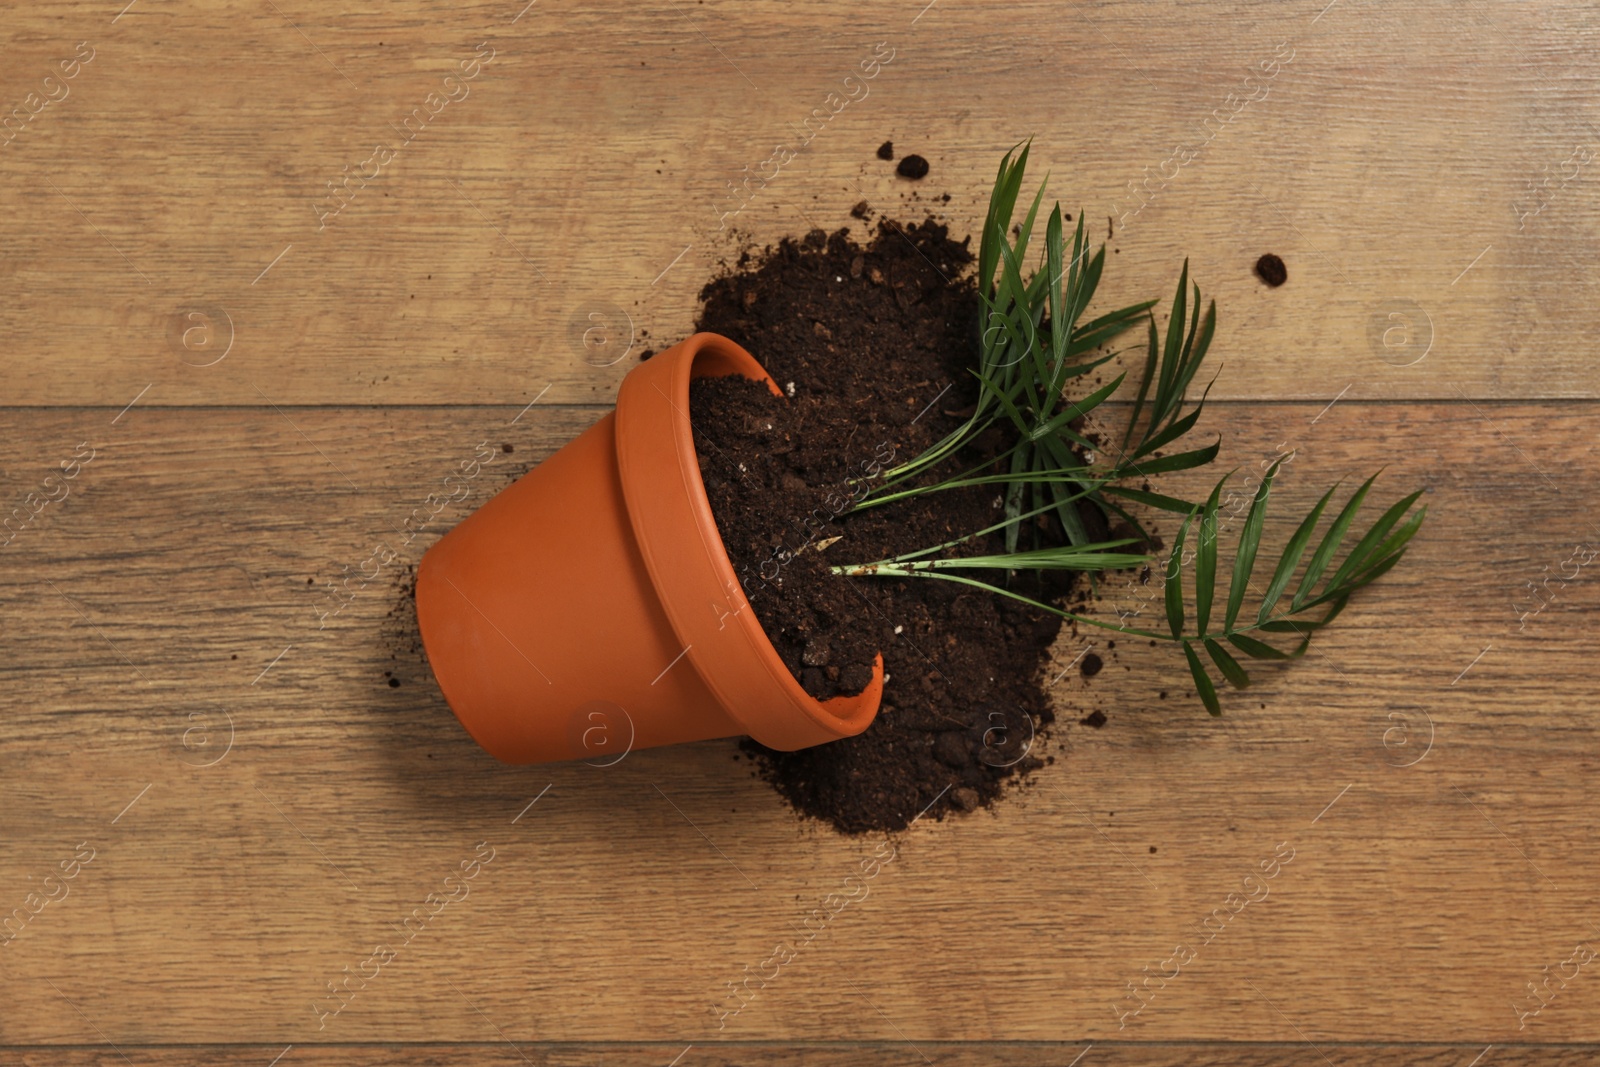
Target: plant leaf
<point>1089,277</point>
<point>1385,555</point>
<point>1302,627</point>
<point>1060,331</point>
<point>1106,328</point>
<point>1002,201</point>
<point>1025,231</point>
<point>1229,666</point>
<point>1028,349</point>
<point>1330,544</point>
<point>1002,397</point>
<point>1123,316</point>
<point>1144,384</point>
<point>1254,648</point>
<point>1023,376</point>
<point>1244,560</point>
<point>1110,508</point>
<point>1077,409</point>
<point>1059,557</point>
<point>1202,683</point>
<point>1076,369</point>
<point>1180,461</point>
<point>1070,522</point>
<point>1173,430</point>
<point>1010,287</point>
<point>1400,537</point>
<point>1372,539</point>
<point>1174,347</point>
<point>1372,573</point>
<point>1194,351</point>
<point>1021,460</point>
<point>1205,561</point>
<point>1291,556</point>
<point>1174,580</point>
<point>1154,500</point>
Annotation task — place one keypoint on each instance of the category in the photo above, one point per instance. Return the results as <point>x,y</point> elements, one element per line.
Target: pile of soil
<point>872,345</point>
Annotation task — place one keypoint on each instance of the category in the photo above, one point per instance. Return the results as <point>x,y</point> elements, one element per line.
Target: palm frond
<point>1031,343</point>
<point>1379,549</point>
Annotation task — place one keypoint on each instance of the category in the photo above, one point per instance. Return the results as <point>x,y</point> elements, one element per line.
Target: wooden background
<point>265,401</point>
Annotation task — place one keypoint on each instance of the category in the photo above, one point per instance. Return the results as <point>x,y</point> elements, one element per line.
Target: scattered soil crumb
<point>913,167</point>
<point>1270,269</point>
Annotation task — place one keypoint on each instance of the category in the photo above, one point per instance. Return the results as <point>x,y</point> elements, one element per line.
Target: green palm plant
<point>1031,345</point>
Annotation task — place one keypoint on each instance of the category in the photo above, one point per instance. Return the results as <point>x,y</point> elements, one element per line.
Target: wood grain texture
<point>222,899</point>
<point>886,1054</point>
<point>253,401</point>
<point>1409,159</point>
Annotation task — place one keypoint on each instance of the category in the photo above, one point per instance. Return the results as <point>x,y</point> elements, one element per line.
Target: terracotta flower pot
<point>590,608</point>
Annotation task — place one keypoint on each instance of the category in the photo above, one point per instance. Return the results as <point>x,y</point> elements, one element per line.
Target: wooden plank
<point>230,883</point>
<point>731,1054</point>
<point>169,225</point>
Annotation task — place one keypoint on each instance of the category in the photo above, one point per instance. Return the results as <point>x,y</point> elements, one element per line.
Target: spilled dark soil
<point>871,341</point>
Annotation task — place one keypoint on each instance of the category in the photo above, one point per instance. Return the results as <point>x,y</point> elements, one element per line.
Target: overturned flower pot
<point>603,602</point>
<point>590,607</point>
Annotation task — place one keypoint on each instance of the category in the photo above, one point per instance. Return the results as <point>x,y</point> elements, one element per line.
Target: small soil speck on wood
<point>1270,269</point>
